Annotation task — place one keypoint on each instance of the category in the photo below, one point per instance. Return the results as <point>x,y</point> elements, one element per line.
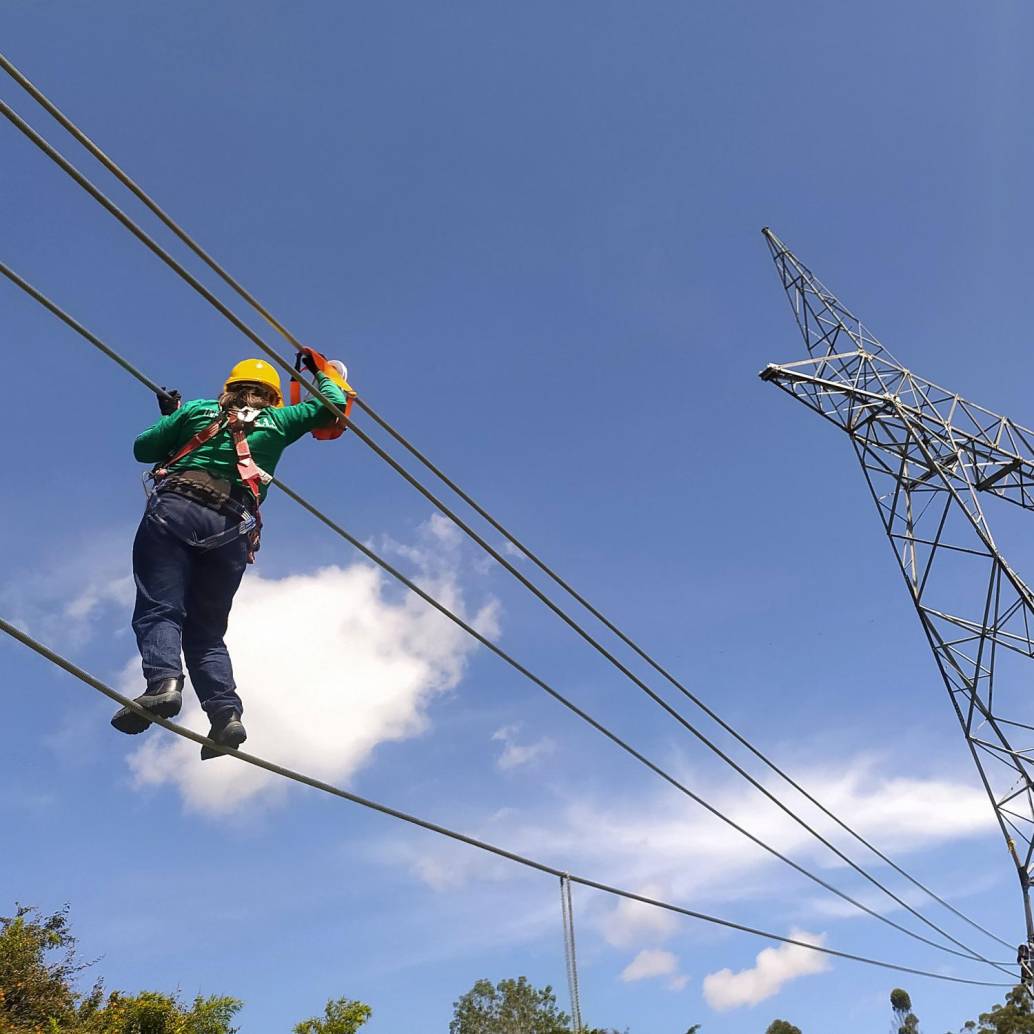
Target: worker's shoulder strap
<point>206,434</point>
<point>250,473</point>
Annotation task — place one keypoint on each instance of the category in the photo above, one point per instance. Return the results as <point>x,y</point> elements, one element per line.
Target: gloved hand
<point>309,363</point>
<point>170,401</point>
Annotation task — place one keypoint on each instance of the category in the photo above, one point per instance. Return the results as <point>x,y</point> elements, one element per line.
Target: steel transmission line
<point>623,744</point>
<point>928,455</point>
<point>334,791</point>
<point>216,267</point>
<point>101,198</point>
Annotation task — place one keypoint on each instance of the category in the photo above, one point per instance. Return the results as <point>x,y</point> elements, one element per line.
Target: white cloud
<point>665,847</point>
<point>329,666</point>
<point>633,922</point>
<point>904,812</point>
<point>516,754</point>
<point>774,968</point>
<point>650,962</point>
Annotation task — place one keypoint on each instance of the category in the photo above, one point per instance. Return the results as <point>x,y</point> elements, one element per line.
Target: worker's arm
<point>162,438</point>
<point>296,420</point>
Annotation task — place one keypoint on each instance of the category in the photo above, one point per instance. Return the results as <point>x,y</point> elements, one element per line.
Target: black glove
<point>170,401</point>
<point>309,363</point>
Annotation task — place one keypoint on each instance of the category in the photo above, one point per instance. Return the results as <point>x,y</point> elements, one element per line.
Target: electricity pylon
<point>929,456</point>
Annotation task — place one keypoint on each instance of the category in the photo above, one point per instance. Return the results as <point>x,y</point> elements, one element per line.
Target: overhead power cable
<point>367,551</point>
<point>283,362</point>
<point>663,671</point>
<point>235,285</point>
<point>299,777</point>
<point>152,245</point>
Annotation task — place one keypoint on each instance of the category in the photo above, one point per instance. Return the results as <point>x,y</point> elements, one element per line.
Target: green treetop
<point>905,1021</point>
<point>782,1027</point>
<point>39,967</point>
<point>510,1005</point>
<point>1014,1016</point>
<point>342,1016</point>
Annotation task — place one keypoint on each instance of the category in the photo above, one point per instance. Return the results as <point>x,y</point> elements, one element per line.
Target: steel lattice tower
<point>928,456</point>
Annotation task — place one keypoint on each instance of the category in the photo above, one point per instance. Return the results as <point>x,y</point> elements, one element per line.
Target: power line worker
<point>214,460</point>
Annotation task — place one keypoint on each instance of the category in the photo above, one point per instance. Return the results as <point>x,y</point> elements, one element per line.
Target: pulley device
<point>312,361</point>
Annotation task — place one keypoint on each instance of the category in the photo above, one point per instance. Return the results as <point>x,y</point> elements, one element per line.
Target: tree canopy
<point>39,970</point>
<point>39,966</point>
<point>905,1021</point>
<point>510,1005</point>
<point>153,1013</point>
<point>1013,1016</point>
<point>341,1016</point>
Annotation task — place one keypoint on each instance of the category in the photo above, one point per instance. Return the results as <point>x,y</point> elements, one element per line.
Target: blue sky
<point>532,233</point>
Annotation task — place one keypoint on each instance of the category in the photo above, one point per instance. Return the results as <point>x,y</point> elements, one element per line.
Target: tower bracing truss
<point>931,458</point>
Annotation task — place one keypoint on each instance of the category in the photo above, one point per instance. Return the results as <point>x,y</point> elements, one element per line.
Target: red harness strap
<point>205,435</point>
<point>250,473</point>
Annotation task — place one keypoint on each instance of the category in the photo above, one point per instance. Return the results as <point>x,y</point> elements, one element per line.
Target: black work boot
<point>227,731</point>
<point>163,698</point>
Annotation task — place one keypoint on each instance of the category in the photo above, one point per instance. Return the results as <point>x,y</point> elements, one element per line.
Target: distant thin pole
<point>567,911</point>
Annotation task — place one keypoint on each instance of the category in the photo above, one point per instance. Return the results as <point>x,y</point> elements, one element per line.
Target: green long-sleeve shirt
<point>273,431</point>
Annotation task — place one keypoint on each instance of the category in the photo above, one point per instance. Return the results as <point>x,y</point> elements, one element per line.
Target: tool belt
<point>210,491</point>
<point>224,498</point>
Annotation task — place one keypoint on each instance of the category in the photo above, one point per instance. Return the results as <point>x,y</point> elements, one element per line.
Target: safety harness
<point>252,476</point>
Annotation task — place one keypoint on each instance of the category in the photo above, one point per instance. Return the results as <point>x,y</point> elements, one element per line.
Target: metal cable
<point>299,777</point>
<point>651,693</point>
<point>281,361</point>
<point>367,551</point>
<point>233,283</point>
<point>661,670</point>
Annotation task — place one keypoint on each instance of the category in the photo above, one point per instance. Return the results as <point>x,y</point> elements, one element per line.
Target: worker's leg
<point>161,569</point>
<point>215,578</point>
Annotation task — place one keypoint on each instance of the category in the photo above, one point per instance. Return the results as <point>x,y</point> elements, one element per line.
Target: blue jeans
<point>183,597</point>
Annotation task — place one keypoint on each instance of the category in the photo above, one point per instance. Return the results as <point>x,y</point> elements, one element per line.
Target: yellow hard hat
<point>256,371</point>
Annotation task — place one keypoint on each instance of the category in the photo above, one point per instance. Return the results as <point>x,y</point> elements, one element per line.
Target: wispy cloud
<point>663,847</point>
<point>117,590</point>
<point>66,600</point>
<point>633,922</point>
<point>517,754</point>
<point>772,970</point>
<point>656,838</point>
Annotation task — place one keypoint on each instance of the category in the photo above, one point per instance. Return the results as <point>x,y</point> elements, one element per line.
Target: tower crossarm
<point>987,452</point>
